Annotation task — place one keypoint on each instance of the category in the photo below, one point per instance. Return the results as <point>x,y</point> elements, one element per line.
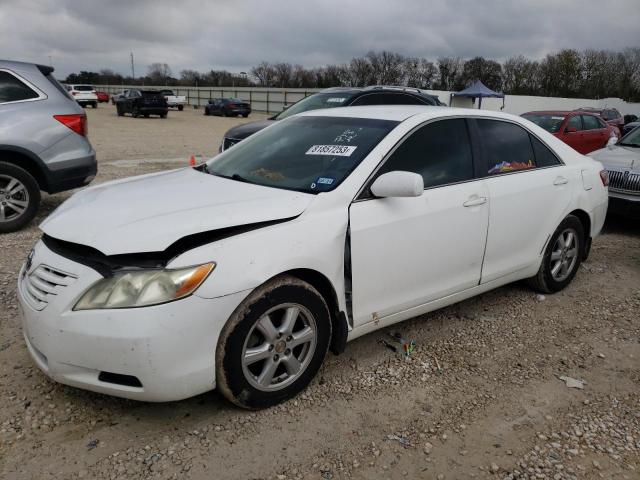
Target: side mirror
<point>571,130</point>
<point>398,184</point>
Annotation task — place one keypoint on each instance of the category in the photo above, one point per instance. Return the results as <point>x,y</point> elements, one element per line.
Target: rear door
<point>529,189</point>
<point>406,252</point>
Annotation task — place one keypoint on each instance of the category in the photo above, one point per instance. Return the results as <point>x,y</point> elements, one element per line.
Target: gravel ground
<point>480,397</point>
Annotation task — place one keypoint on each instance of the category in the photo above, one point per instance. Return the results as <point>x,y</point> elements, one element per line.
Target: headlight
<point>143,288</point>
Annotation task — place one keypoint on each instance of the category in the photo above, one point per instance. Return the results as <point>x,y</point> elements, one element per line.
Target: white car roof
<point>400,113</point>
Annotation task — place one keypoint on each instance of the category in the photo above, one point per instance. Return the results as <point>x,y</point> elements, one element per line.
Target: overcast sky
<point>237,34</point>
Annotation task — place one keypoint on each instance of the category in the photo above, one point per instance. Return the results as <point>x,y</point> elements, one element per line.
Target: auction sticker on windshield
<point>335,150</point>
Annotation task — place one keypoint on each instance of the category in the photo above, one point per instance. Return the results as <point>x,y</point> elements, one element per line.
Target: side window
<point>369,99</point>
<point>590,122</point>
<point>544,156</point>
<point>13,90</point>
<point>575,122</point>
<point>506,146</point>
<point>439,151</point>
<point>398,99</point>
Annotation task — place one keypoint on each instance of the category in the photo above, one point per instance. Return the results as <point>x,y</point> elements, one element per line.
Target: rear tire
<point>562,257</point>
<point>119,111</point>
<point>180,108</point>
<point>245,115</point>
<point>263,359</point>
<point>163,115</point>
<point>19,197</point>
<point>94,105</point>
<point>135,113</point>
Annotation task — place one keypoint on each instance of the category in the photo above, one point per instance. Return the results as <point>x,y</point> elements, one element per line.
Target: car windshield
<point>309,154</point>
<point>83,88</point>
<point>315,102</point>
<point>550,122</point>
<point>235,100</point>
<point>631,139</point>
<point>167,92</point>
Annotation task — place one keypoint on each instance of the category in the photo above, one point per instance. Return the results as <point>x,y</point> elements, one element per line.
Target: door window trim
<point>36,90</point>
<point>483,162</point>
<point>374,174</point>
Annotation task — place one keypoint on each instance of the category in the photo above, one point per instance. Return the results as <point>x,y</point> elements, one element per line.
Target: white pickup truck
<point>173,100</point>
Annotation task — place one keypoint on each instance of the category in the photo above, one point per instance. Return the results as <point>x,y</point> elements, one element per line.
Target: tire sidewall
<point>34,197</point>
<point>229,372</point>
<point>552,284</point>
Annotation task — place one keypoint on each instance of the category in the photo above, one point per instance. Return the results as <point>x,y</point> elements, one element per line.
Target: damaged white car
<point>241,273</point>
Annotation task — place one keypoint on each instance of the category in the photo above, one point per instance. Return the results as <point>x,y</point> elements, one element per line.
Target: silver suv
<point>43,141</point>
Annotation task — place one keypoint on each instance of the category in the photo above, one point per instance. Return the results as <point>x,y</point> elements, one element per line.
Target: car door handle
<point>561,181</point>
<point>475,201</point>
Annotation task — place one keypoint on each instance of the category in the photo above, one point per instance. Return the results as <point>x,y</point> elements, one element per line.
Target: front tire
<point>562,257</point>
<point>180,108</point>
<point>273,344</point>
<point>19,197</point>
<point>94,105</point>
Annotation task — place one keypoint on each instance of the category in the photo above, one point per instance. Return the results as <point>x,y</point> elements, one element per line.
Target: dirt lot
<point>479,398</point>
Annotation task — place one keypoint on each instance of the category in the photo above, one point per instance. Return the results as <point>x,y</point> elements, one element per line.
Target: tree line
<point>566,73</point>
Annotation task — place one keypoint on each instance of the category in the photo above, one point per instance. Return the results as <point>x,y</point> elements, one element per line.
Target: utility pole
<point>133,72</point>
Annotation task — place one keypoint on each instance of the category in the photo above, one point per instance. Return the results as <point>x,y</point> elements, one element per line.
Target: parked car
<point>242,272</point>
<point>622,161</point>
<point>335,97</point>
<point>227,107</point>
<point>84,95</point>
<point>173,100</point>
<point>142,103</point>
<point>630,118</point>
<point>116,96</point>
<point>583,131</point>
<point>103,97</point>
<point>610,115</point>
<point>43,141</point>
<point>630,126</point>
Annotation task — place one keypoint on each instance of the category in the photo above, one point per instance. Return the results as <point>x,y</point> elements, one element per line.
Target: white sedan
<point>243,272</point>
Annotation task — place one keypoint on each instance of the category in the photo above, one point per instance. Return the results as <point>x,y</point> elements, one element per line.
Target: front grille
<point>624,181</point>
<point>229,142</point>
<point>43,282</point>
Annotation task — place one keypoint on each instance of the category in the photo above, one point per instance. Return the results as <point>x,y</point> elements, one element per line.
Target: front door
<point>409,251</point>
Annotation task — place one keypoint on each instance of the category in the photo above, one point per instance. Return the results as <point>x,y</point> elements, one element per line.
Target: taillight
<point>76,122</point>
<point>604,176</point>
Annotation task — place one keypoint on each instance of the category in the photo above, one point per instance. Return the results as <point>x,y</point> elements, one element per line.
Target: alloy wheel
<point>279,347</point>
<point>564,255</point>
<point>14,198</point>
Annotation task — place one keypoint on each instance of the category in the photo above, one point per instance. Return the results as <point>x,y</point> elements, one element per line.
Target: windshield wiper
<point>235,176</point>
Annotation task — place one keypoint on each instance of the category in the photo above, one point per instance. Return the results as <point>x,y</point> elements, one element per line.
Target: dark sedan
<point>336,97</point>
<point>228,107</point>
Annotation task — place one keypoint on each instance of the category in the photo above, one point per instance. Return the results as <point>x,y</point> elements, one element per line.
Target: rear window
<point>13,90</point>
<point>316,101</point>
<point>61,88</point>
<point>550,122</point>
<point>83,88</point>
<point>169,93</point>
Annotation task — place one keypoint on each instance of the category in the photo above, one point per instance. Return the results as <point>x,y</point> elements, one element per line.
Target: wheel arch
<point>585,220</point>
<point>339,325</point>
<point>26,160</point>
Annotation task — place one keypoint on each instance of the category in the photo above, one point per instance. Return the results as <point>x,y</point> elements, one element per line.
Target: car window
<point>507,147</point>
<point>549,121</point>
<point>591,123</point>
<point>309,153</point>
<point>544,156</point>
<point>574,122</point>
<point>387,98</point>
<point>83,88</point>
<point>439,151</point>
<point>13,90</point>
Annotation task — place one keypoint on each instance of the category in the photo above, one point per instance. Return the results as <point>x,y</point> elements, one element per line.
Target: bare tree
<point>159,73</point>
<point>264,74</point>
<point>488,72</point>
<point>386,67</point>
<point>283,74</point>
<point>449,73</point>
<point>419,72</point>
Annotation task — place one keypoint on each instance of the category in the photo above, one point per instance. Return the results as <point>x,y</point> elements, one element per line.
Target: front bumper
<point>623,204</point>
<point>168,348</point>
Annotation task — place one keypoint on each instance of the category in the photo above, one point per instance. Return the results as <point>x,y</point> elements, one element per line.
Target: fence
<point>273,100</point>
<point>268,100</point>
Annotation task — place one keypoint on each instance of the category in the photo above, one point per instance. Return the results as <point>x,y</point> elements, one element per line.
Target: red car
<point>102,97</point>
<point>610,115</point>
<point>583,131</point>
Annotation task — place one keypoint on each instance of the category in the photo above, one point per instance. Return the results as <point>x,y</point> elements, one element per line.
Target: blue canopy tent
<point>478,90</point>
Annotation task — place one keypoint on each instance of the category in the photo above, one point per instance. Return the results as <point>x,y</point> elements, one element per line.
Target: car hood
<point>150,212</point>
<point>247,129</point>
<point>617,157</point>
